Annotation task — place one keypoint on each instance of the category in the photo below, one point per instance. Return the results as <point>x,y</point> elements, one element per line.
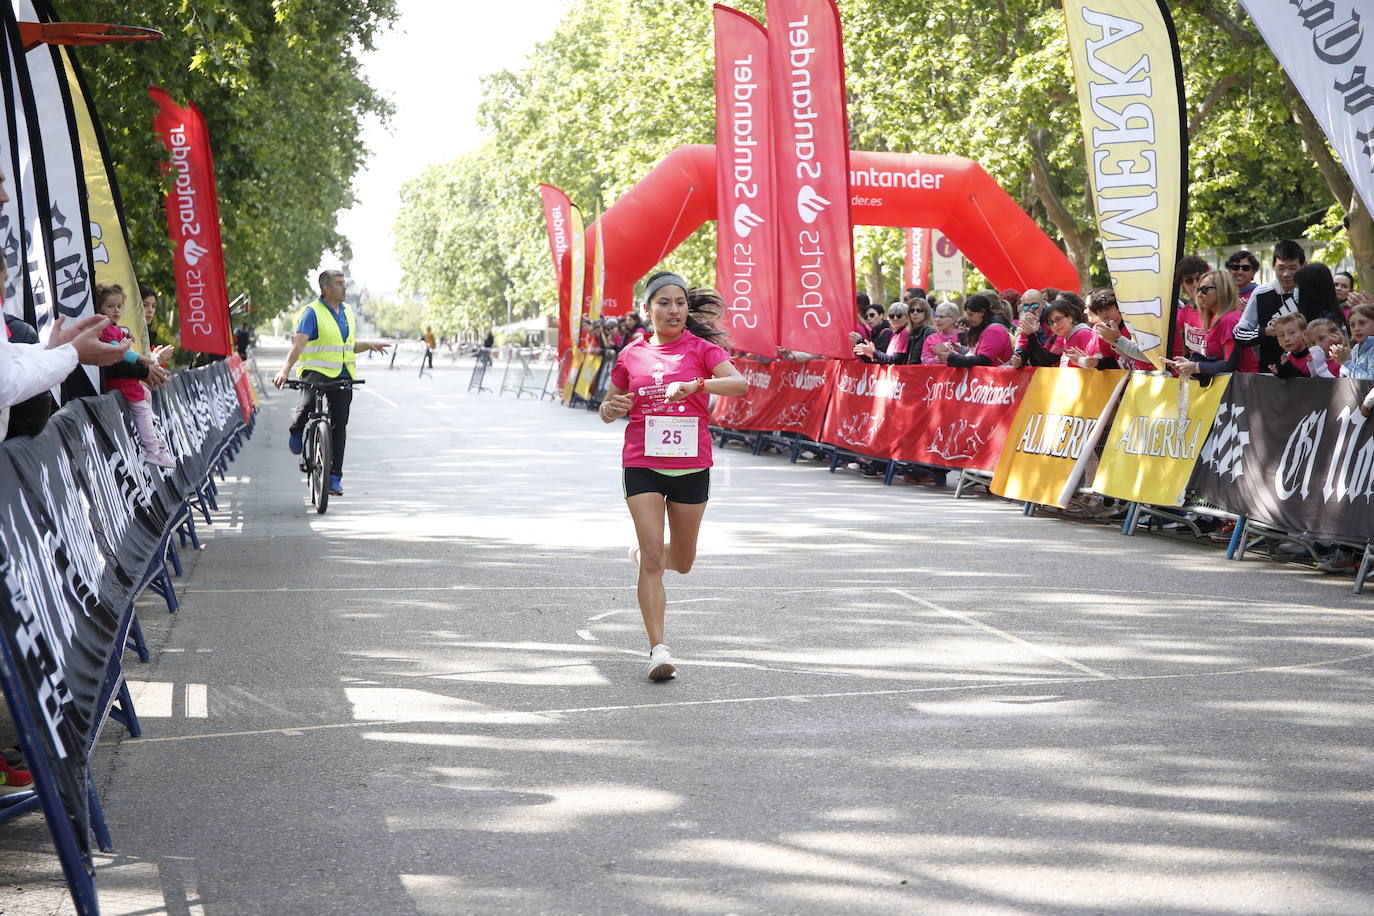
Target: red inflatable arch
<point>948,193</point>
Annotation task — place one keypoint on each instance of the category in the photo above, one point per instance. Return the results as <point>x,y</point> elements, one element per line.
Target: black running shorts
<point>690,488</point>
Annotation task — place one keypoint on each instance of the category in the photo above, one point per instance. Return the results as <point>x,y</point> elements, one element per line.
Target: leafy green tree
<point>281,87</point>
<point>622,82</point>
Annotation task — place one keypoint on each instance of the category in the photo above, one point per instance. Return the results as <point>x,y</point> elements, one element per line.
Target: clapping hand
<point>1108,331</point>
<point>1340,352</point>
<point>864,348</point>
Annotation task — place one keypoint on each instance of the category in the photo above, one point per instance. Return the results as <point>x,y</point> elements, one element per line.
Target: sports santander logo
<point>810,204</point>
<point>193,251</point>
<point>746,221</point>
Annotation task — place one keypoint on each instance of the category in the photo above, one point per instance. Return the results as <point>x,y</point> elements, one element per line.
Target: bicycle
<point>317,442</point>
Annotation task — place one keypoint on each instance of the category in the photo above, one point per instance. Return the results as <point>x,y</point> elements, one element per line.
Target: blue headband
<point>661,281</point>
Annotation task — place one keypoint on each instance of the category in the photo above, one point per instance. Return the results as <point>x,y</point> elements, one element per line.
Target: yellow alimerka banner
<point>109,245</point>
<point>577,275</point>
<point>1056,428</point>
<point>1160,428</point>
<point>598,273</point>
<point>590,366</point>
<point>1130,94</point>
<point>570,385</point>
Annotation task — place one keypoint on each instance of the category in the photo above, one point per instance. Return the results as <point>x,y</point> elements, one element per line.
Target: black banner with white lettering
<point>82,517</point>
<point>1293,454</point>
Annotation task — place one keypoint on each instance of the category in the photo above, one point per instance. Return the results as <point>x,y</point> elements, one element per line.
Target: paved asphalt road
<point>431,699</point>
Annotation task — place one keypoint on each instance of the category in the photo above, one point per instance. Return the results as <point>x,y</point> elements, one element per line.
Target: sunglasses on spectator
<point>1249,267</point>
<point>1205,289</point>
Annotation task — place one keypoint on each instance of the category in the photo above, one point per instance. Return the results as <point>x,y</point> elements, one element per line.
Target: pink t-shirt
<point>1187,328</point>
<point>1219,341</point>
<point>897,342</point>
<point>995,343</point>
<point>1083,339</point>
<point>645,370</point>
<point>133,389</point>
<point>1103,350</point>
<point>928,357</point>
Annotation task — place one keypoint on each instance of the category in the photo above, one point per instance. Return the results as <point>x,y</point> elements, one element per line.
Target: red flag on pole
<point>811,152</point>
<point>557,210</point>
<point>193,224</point>
<point>746,221</point>
<point>917,250</point>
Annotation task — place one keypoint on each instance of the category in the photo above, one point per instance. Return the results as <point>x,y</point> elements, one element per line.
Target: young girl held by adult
<point>110,303</point>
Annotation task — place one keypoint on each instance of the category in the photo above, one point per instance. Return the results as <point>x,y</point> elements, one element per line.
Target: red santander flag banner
<point>811,166</point>
<point>916,247</point>
<point>746,222</point>
<point>557,218</point>
<point>193,224</point>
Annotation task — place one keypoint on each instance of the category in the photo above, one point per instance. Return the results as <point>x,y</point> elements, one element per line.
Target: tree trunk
<point>1078,245</point>
<point>877,292</point>
<point>1360,228</point>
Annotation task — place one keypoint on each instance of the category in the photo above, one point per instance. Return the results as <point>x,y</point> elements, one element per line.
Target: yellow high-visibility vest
<point>328,354</point>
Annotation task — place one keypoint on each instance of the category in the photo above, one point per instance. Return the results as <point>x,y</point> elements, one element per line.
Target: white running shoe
<point>661,667</point>
<point>160,458</point>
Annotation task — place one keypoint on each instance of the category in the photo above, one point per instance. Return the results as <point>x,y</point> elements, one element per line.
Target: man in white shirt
<point>27,369</point>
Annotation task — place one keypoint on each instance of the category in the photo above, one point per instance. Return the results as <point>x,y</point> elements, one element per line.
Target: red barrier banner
<point>953,418</point>
<point>784,396</point>
<point>241,387</point>
<point>557,213</point>
<point>746,222</point>
<point>811,156</point>
<point>193,224</point>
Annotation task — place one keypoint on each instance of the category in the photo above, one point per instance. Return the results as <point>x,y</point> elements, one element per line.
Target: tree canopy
<point>280,84</point>
<point>622,82</point>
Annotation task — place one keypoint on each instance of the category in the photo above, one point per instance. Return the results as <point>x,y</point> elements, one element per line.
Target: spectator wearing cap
<point>1243,266</point>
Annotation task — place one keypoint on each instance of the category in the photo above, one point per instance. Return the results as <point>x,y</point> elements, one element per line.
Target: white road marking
<point>384,399</point>
<point>587,635</point>
<point>1002,634</point>
<point>789,698</point>
<point>197,701</point>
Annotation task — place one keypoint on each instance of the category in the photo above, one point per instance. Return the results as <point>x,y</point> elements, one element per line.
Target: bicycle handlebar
<point>332,383</point>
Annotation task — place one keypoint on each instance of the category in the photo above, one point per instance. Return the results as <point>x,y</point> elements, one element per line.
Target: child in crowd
<point>110,303</point>
<point>1113,341</point>
<point>1357,357</point>
<point>1300,358</point>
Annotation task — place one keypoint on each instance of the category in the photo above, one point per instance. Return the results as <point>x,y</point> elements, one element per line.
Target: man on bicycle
<point>326,348</point>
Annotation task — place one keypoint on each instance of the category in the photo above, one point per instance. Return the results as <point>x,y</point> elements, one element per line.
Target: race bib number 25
<point>670,437</point>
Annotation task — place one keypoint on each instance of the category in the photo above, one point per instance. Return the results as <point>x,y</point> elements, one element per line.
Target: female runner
<point>661,383</point>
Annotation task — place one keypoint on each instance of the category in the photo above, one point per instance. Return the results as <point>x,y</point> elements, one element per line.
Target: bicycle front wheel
<point>319,473</point>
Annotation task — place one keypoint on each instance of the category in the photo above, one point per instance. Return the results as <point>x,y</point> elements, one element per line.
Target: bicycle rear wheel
<point>319,473</point>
